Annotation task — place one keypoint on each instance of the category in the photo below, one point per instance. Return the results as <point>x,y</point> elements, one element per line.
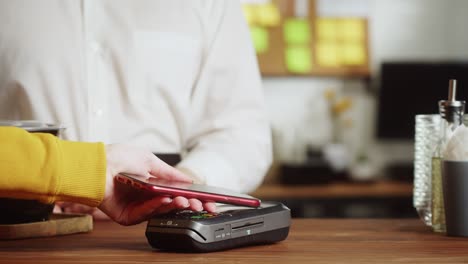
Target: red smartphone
<point>201,192</point>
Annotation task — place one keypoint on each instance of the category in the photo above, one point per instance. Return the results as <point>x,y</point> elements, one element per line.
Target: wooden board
<point>58,224</point>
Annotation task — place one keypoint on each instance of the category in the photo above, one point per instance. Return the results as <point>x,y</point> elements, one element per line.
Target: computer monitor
<point>411,88</point>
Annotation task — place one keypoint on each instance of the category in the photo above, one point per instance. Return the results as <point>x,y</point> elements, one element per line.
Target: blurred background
<point>343,81</point>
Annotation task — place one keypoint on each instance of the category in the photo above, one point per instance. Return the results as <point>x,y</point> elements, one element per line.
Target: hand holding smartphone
<point>203,193</point>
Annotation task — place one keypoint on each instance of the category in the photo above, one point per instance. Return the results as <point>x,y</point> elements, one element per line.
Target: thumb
<point>162,170</point>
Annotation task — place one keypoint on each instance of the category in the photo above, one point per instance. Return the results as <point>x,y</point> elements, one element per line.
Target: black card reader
<point>230,227</point>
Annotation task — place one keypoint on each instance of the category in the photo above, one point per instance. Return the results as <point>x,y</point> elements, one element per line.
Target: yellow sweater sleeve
<point>42,167</point>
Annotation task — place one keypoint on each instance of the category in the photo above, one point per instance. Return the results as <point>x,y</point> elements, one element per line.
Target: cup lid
<point>31,125</point>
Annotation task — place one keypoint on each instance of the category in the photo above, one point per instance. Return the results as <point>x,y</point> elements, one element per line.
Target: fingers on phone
<point>181,202</point>
<point>156,205</point>
<point>210,207</point>
<point>195,205</point>
<point>177,203</point>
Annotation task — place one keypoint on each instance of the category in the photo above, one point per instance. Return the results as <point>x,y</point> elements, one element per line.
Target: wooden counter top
<point>310,241</point>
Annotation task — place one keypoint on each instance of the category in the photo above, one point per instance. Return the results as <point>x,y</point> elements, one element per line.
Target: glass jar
<point>427,131</point>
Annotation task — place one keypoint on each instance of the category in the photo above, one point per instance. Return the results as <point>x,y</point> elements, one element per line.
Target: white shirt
<point>172,76</point>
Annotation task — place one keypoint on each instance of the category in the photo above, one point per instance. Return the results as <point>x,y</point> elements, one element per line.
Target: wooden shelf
<point>336,190</point>
<point>358,72</point>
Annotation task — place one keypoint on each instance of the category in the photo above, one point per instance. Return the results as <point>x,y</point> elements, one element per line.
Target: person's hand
<point>129,206</point>
<point>68,207</point>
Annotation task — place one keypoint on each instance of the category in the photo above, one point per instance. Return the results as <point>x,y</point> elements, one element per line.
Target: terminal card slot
<point>246,226</point>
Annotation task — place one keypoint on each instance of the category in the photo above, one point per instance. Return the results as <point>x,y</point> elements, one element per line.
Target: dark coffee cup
<point>455,188</point>
<point>17,211</point>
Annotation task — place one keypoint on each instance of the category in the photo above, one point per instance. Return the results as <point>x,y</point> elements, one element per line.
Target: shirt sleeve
<point>230,139</point>
<point>42,167</point>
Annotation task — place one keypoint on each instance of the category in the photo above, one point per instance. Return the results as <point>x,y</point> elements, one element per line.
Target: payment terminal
<point>230,227</point>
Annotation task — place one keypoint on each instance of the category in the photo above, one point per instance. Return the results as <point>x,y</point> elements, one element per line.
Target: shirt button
<point>98,112</point>
<point>95,47</point>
